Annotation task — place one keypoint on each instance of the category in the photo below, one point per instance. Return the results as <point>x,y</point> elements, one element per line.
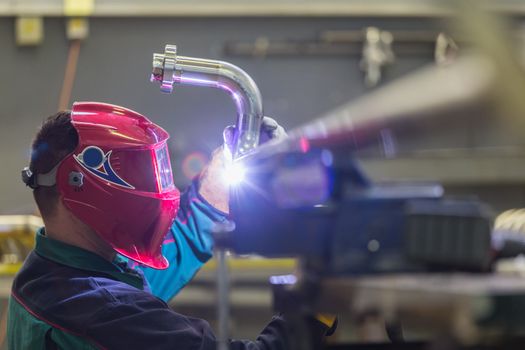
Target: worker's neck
<point>66,228</point>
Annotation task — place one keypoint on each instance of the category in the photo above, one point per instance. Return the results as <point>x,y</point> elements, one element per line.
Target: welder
<point>119,240</point>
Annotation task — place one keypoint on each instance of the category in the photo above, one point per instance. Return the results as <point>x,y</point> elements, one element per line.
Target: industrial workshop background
<point>307,58</point>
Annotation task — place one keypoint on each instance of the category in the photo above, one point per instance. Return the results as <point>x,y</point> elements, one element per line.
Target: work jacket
<point>65,297</point>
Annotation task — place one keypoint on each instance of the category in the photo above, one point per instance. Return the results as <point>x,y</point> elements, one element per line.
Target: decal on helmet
<point>93,159</point>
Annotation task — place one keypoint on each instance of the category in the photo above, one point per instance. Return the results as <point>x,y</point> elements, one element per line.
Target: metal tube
<point>169,69</point>
<point>430,95</point>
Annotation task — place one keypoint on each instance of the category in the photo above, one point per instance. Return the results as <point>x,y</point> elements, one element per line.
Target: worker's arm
<point>278,335</point>
<point>141,322</point>
<point>188,244</point>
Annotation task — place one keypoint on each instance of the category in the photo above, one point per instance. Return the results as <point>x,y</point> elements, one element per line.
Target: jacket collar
<point>82,259</point>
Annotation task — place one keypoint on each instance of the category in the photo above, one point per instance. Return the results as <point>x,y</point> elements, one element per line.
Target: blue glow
<point>283,279</point>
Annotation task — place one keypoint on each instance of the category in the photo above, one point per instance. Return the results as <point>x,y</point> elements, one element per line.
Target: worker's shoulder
<point>120,292</point>
<point>71,298</point>
<point>58,283</point>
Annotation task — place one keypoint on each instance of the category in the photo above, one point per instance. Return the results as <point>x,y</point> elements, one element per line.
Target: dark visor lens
<point>164,168</point>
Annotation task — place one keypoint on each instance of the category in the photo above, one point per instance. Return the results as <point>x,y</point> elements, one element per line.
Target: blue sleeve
<point>187,246</point>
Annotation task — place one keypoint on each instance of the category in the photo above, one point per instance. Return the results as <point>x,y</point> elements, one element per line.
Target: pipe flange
<point>158,67</point>
<point>170,59</point>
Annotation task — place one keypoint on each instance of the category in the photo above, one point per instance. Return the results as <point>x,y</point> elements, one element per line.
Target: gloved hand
<point>270,130</point>
<point>212,187</point>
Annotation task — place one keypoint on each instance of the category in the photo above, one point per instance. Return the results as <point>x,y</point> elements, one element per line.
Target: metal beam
<point>262,8</point>
<point>432,96</point>
<point>181,8</point>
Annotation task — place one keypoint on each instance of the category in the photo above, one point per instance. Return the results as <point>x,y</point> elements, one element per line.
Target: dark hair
<point>54,141</point>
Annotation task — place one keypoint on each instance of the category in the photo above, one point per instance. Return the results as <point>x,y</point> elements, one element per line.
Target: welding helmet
<point>118,180</point>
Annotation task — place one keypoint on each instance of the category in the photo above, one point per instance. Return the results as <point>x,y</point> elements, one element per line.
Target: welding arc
<point>69,75</point>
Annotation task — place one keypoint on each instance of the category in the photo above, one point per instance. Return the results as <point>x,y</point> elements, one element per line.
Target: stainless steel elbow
<point>169,69</point>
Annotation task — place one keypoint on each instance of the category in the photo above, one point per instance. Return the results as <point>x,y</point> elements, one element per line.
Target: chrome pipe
<point>170,69</point>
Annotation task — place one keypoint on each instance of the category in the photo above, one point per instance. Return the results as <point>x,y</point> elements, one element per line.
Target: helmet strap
<point>34,180</point>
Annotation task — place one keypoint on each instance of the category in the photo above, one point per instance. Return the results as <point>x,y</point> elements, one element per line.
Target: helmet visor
<point>164,171</point>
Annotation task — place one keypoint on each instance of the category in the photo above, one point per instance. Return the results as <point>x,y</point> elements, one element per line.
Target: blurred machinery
<point>377,47</point>
<point>17,239</point>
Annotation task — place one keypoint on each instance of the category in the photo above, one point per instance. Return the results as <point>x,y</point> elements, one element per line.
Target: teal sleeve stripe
<point>188,245</point>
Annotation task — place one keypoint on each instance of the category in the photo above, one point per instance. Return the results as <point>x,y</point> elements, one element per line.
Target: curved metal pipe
<point>169,69</point>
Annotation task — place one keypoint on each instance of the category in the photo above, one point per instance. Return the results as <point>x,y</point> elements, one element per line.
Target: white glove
<point>270,130</point>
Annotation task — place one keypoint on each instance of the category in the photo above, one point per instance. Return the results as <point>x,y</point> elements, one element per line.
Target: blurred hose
<point>69,75</point>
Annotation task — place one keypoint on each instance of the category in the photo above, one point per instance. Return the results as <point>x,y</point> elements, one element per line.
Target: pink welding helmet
<point>119,180</point>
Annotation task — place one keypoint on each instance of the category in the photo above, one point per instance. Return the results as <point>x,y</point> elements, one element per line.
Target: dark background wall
<point>115,63</point>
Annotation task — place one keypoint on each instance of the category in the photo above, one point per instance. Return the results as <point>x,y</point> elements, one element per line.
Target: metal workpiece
<point>170,69</point>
